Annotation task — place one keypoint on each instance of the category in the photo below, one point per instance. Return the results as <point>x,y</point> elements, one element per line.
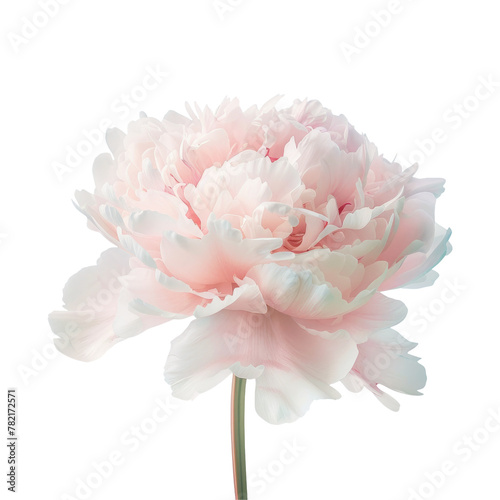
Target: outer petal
<point>296,292</point>
<point>384,360</point>
<point>305,293</point>
<point>292,367</point>
<point>433,185</point>
<point>378,313</point>
<point>150,298</point>
<point>416,269</point>
<point>90,297</point>
<point>415,231</point>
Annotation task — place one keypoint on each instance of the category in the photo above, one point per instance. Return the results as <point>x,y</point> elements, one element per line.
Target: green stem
<point>238,437</point>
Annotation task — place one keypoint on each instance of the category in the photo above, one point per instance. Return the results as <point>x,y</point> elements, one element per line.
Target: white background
<point>400,87</point>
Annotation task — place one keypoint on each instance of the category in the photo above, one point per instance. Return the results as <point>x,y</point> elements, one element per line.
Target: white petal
<point>416,269</point>
<point>130,245</point>
<point>91,297</point>
<point>384,360</point>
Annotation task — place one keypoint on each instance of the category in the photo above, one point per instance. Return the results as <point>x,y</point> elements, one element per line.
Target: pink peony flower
<point>278,230</point>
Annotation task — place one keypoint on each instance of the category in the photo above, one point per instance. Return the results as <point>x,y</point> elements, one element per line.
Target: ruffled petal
<point>380,312</point>
<point>416,270</point>
<point>292,366</point>
<point>218,257</point>
<point>384,360</point>
<point>85,328</point>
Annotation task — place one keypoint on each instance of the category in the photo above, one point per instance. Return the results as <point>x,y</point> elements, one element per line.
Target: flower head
<point>277,230</point>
